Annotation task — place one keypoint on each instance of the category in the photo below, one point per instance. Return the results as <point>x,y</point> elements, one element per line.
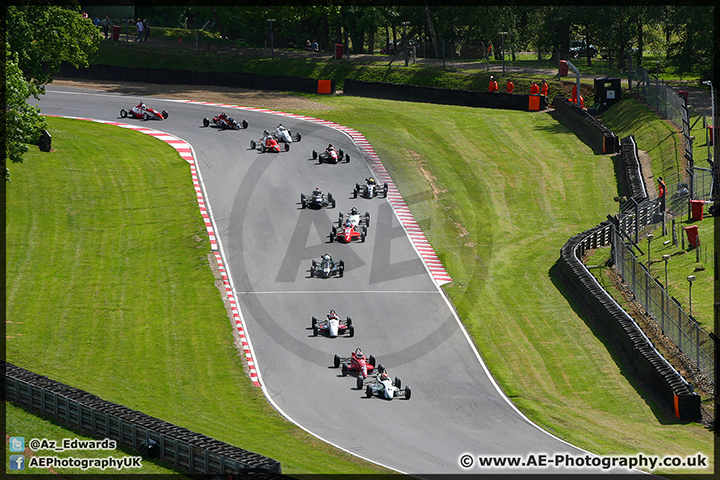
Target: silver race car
<point>386,388</point>
<point>326,267</point>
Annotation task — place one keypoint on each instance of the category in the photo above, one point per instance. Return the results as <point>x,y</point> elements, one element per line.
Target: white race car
<point>283,135</point>
<point>333,326</point>
<point>370,189</point>
<point>388,389</point>
<point>355,218</point>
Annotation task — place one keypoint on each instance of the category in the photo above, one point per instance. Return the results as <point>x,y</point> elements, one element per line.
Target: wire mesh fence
<point>682,328</point>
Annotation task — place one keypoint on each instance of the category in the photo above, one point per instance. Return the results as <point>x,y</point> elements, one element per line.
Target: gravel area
<point>231,96</point>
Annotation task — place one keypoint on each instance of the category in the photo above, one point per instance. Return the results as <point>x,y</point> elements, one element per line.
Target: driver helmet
<point>384,376</point>
<point>222,115</point>
<point>354,211</point>
<point>327,257</point>
<point>330,147</point>
<point>280,126</point>
<point>348,223</point>
<point>142,105</point>
<point>317,191</point>
<point>333,314</point>
<point>358,353</point>
<point>371,181</point>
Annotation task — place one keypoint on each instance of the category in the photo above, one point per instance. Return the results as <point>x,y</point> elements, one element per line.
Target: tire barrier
<point>600,138</point>
<point>187,77</point>
<point>444,96</point>
<point>631,170</point>
<point>636,349</point>
<point>153,438</point>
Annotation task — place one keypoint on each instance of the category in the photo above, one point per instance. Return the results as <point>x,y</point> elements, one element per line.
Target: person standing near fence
<point>661,193</point>
<point>139,26</point>
<point>510,86</point>
<point>493,86</point>
<point>534,89</point>
<point>146,28</point>
<point>544,88</point>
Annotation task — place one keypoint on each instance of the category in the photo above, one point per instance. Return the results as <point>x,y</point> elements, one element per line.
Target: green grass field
<point>498,197</point>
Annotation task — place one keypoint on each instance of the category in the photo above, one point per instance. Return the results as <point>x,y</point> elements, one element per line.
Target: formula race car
<point>326,267</point>
<point>223,122</point>
<point>283,135</point>
<point>333,326</point>
<point>330,155</point>
<point>355,218</point>
<point>348,232</point>
<point>370,189</point>
<point>268,144</point>
<point>388,389</point>
<point>317,199</point>
<point>357,364</point>
<point>143,111</point>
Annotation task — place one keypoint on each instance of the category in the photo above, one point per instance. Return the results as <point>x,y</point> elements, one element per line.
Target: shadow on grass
<point>663,414</point>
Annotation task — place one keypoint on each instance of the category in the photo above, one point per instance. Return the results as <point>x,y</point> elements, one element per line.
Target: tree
<point>39,39</point>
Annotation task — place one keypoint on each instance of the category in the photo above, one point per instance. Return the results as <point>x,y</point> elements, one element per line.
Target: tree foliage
<point>38,39</point>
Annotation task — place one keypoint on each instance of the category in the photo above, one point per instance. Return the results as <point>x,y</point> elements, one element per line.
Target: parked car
<point>579,49</point>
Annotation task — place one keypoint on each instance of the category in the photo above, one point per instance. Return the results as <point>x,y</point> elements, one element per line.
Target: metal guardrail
<point>154,438</point>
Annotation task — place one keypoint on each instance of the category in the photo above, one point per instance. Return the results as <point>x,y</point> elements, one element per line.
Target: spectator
<point>661,193</point>
<point>97,21</point>
<point>544,88</point>
<point>315,47</point>
<point>308,46</point>
<point>510,86</point>
<point>146,28</point>
<point>139,26</point>
<point>534,89</point>
<point>493,86</point>
<point>107,23</point>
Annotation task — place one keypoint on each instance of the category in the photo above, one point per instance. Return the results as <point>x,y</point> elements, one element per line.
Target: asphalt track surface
<point>400,314</point>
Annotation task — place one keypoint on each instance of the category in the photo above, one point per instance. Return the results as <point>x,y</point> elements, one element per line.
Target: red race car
<point>268,143</point>
<point>348,232</point>
<point>143,111</point>
<point>358,364</point>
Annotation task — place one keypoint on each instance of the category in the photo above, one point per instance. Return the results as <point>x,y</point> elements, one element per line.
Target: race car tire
<point>287,147</point>
<point>206,122</point>
<point>359,383</point>
<point>367,216</point>
<point>362,237</point>
<point>332,236</point>
<point>351,331</point>
<point>262,148</point>
<point>312,271</point>
<point>315,155</point>
<point>297,138</point>
<point>244,124</point>
<point>408,393</point>
<point>372,360</point>
<point>223,126</point>
<point>123,113</point>
<point>336,361</point>
<point>398,382</point>
<point>342,268</point>
<point>344,369</point>
<point>314,321</point>
<point>332,202</point>
<point>340,154</point>
<point>368,391</point>
<point>253,145</point>
<point>347,158</point>
<point>146,116</point>
<point>303,202</point>
<point>315,331</point>
<point>354,193</point>
<point>385,190</point>
<point>348,320</point>
<point>165,114</point>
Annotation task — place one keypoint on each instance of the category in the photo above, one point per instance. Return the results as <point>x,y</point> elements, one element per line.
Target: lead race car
<point>333,326</point>
<point>370,189</point>
<point>357,364</point>
<point>386,388</point>
<point>283,135</point>
<point>317,199</point>
<point>330,155</point>
<point>268,143</point>
<point>327,267</point>
<point>143,111</point>
<point>223,122</point>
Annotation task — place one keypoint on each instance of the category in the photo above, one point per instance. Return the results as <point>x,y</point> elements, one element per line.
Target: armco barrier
<point>186,77</point>
<point>650,368</point>
<point>600,138</point>
<point>444,96</point>
<point>189,451</point>
<point>631,170</point>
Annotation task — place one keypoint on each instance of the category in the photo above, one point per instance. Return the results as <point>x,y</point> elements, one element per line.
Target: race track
<point>400,314</point>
